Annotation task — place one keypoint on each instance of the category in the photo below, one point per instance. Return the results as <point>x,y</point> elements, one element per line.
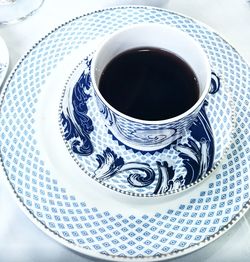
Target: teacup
<point>143,134</point>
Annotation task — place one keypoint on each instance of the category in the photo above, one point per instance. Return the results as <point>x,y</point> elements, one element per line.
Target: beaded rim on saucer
<point>99,230</point>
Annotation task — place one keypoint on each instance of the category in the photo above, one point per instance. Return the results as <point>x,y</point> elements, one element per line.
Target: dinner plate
<point>73,208</point>
<point>142,173</point>
<point>4,60</point>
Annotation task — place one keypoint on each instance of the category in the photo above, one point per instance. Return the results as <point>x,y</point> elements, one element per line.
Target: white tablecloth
<point>22,241</point>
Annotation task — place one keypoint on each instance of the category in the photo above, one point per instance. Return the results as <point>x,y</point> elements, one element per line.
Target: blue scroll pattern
<point>76,123</point>
<point>196,154</point>
<point>197,158</point>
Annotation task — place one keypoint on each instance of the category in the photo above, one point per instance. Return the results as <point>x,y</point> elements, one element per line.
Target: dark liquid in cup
<point>149,84</point>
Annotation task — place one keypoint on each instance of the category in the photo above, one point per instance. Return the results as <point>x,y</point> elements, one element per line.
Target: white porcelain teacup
<point>144,134</point>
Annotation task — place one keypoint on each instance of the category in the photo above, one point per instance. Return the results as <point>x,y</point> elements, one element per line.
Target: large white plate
<point>77,211</point>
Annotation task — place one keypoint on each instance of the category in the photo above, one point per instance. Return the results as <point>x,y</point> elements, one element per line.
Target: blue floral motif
<point>108,164</point>
<point>196,154</point>
<point>137,179</point>
<point>166,181</point>
<point>76,123</point>
<point>197,158</point>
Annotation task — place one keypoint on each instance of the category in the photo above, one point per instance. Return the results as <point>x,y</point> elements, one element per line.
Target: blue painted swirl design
<point>167,181</point>
<point>196,154</point>
<point>197,158</point>
<point>143,179</point>
<point>108,164</point>
<point>105,111</point>
<point>76,123</point>
<point>215,84</point>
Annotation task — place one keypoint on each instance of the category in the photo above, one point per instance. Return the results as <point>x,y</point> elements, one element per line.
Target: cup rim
<point>151,122</point>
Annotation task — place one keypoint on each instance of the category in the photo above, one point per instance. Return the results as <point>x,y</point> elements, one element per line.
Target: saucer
<point>4,60</point>
<point>77,211</point>
<point>180,165</point>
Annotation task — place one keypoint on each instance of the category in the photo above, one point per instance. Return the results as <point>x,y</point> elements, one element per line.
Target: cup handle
<point>215,84</point>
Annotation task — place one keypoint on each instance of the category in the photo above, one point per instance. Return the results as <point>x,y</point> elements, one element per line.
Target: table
<point>20,240</point>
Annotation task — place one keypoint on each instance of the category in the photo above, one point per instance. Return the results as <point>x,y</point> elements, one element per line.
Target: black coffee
<point>149,84</point>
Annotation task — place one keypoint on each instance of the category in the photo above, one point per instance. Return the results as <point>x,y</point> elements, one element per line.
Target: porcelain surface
<point>182,163</point>
<point>82,214</point>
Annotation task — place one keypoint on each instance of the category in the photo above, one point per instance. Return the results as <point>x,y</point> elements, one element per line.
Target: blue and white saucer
<point>73,208</point>
<point>178,166</point>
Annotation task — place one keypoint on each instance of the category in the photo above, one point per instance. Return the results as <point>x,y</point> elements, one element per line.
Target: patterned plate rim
<point>74,246</point>
<point>146,195</point>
